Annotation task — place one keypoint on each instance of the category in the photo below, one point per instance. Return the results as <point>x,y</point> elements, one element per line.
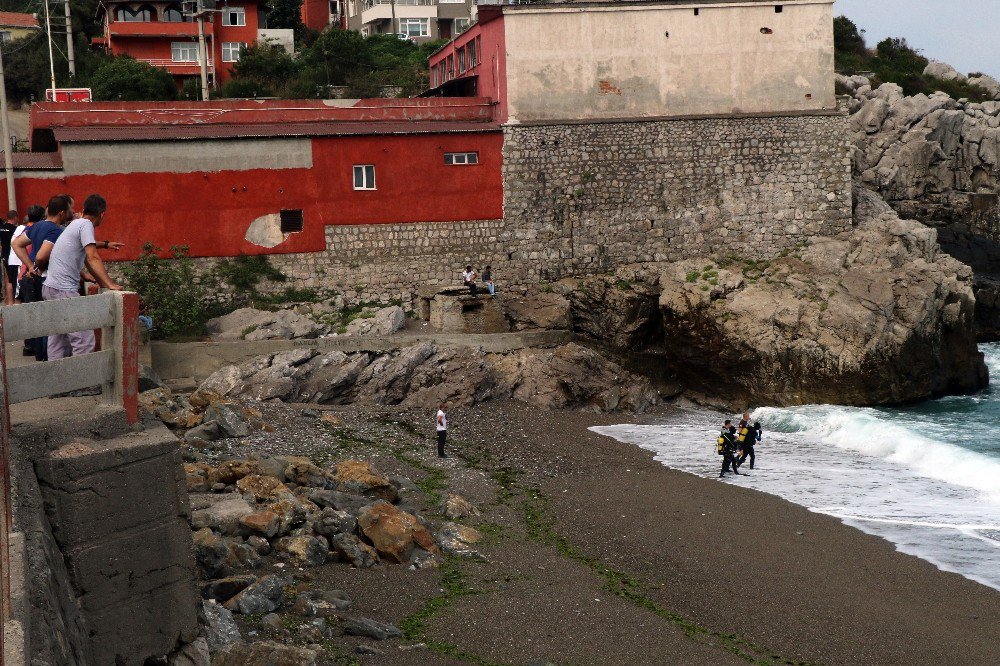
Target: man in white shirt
<point>469,277</point>
<point>75,248</point>
<point>442,429</point>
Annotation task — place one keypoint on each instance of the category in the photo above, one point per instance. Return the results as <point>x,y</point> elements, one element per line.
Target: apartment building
<point>165,34</point>
<point>418,20</point>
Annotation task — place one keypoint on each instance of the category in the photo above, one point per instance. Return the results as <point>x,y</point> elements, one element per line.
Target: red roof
<point>34,160</point>
<point>181,132</point>
<point>18,20</point>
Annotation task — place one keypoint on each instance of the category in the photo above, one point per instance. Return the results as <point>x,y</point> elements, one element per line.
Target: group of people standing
<point>48,257</point>
<point>736,444</point>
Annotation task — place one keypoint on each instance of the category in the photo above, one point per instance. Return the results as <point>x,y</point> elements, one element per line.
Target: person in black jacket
<point>727,443</point>
<point>752,437</point>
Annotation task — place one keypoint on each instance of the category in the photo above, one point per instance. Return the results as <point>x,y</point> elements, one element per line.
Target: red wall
<point>316,14</point>
<point>210,212</point>
<point>491,73</point>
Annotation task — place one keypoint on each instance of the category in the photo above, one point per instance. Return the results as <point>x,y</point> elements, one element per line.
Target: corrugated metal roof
<point>34,160</point>
<point>18,20</point>
<point>184,132</point>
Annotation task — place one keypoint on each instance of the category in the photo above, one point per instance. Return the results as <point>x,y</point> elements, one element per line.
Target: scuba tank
<point>720,447</point>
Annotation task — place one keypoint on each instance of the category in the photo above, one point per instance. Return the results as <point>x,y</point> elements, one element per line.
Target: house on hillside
<point>165,34</point>
<point>15,25</point>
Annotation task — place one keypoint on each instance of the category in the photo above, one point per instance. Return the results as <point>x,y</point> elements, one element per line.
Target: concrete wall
<point>648,60</point>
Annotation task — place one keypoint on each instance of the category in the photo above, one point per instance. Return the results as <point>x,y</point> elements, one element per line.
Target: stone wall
<point>582,199</point>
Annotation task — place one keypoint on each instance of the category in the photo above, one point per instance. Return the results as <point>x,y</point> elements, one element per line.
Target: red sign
<point>69,95</point>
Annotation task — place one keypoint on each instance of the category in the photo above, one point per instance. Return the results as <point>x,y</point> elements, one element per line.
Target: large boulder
<point>878,316</point>
<point>218,626</point>
<point>393,532</point>
<point>942,70</point>
<point>357,477</point>
<point>264,596</point>
<point>537,309</point>
<point>384,321</point>
<point>252,324</point>
<point>266,653</point>
<point>221,513</point>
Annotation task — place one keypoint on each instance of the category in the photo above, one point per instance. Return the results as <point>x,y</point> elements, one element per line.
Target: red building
<point>164,34</point>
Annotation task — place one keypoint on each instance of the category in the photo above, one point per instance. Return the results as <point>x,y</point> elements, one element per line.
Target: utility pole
<point>394,26</point>
<point>8,159</point>
<point>202,50</point>
<point>69,41</point>
<point>52,67</point>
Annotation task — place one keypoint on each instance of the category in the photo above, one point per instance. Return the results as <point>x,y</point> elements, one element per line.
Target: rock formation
<point>423,375</point>
<point>877,316</point>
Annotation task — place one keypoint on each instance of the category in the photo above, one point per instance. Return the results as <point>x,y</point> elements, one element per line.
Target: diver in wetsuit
<point>727,447</point>
<point>751,438</point>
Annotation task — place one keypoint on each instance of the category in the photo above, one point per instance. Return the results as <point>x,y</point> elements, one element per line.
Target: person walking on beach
<point>743,433</point>
<point>727,443</point>
<point>442,429</point>
<point>752,437</point>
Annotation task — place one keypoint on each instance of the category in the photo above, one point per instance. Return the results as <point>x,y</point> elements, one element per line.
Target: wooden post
<point>123,340</point>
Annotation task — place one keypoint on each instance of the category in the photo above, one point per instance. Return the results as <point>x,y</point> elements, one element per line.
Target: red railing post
<point>127,346</point>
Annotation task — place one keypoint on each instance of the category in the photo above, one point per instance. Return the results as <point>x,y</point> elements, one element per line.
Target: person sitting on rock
<point>488,280</point>
<point>469,277</point>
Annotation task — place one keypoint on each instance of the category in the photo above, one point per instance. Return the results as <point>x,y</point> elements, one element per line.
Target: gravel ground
<point>595,554</point>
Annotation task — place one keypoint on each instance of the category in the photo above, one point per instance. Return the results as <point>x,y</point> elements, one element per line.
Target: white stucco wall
<point>643,60</point>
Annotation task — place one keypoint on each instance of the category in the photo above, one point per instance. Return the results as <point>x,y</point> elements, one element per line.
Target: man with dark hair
<point>727,448</point>
<point>41,237</point>
<point>35,214</point>
<point>6,233</point>
<point>75,248</point>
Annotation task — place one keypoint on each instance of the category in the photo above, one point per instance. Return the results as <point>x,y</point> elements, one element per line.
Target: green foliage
<point>284,13</point>
<point>892,61</point>
<point>244,88</point>
<point>191,89</point>
<point>270,66</point>
<point>173,297</point>
<point>126,79</point>
<point>244,273</point>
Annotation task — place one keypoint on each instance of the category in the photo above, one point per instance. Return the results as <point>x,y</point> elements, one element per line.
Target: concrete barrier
<point>200,359</point>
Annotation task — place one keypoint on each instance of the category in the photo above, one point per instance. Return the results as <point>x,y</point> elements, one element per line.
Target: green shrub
<point>170,290</point>
<point>244,89</point>
<point>127,79</point>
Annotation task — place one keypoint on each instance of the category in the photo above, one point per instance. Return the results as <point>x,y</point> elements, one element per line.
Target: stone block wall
<point>584,198</point>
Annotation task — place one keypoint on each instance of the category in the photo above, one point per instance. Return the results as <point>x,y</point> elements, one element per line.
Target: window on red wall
<point>473,53</point>
<point>235,16</point>
<point>461,61</point>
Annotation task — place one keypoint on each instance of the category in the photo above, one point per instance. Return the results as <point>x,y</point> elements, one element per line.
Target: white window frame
<point>461,159</point>
<point>5,36</point>
<point>424,25</point>
<point>240,15</point>
<point>181,48</point>
<point>467,23</point>
<point>227,51</point>
<point>367,177</point>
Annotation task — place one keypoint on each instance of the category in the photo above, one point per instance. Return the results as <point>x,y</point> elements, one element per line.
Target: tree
<point>284,13</point>
<point>126,79</point>
<point>335,55</point>
<point>269,65</point>
<point>846,36</point>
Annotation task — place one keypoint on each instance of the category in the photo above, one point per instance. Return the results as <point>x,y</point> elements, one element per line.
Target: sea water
<point>926,478</point>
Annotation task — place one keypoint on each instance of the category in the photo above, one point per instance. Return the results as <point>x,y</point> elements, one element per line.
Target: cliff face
<point>874,316</point>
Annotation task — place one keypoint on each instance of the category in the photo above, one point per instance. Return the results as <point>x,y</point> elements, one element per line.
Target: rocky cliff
<point>875,316</point>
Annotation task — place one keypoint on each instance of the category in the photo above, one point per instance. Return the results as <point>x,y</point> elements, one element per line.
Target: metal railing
<point>370,4</point>
<point>168,62</point>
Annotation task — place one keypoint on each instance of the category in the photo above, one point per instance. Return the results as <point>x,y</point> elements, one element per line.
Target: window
<point>364,176</point>
<point>415,27</point>
<point>142,14</point>
<point>234,16</point>
<point>291,220</point>
<point>778,9</point>
<point>461,61</point>
<point>184,52</point>
<point>461,158</point>
<point>4,35</point>
<point>472,54</point>
<point>174,14</point>
<point>461,25</point>
<point>451,67</point>
<point>231,51</point>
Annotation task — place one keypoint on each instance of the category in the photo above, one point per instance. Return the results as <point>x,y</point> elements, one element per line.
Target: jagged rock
<point>384,321</point>
<point>231,422</point>
<point>334,499</point>
<point>291,511</point>
<point>537,310</point>
<point>260,544</point>
<point>942,70</point>
<point>361,478</point>
<point>620,309</point>
<point>354,551</point>
<point>196,477</point>
<point>393,532</point>
<point>224,589</point>
<point>242,555</point>
<point>251,324</point>
<point>875,317</point>
<point>262,488</point>
<point>264,596</point>
<point>362,626</point>
<point>301,471</point>
<point>458,540</point>
<point>148,379</point>
<point>265,653</point>
<point>208,432</point>
<point>310,551</point>
<point>987,82</point>
<point>315,631</point>
<point>231,471</point>
<point>195,653</point>
<point>321,603</point>
<point>272,620</point>
<point>222,513</point>
<point>456,507</point>
<point>262,522</point>
<point>218,626</point>
<point>331,521</point>
<point>211,553</point>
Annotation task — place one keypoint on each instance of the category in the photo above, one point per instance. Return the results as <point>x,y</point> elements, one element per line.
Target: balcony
<point>156,29</point>
<point>381,10</point>
<point>180,68</point>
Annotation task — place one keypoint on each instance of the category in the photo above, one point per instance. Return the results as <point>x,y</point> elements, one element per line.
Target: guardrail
<point>168,62</point>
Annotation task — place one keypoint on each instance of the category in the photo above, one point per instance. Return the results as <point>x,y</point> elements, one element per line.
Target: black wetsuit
<point>728,451</point>
<point>753,436</point>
